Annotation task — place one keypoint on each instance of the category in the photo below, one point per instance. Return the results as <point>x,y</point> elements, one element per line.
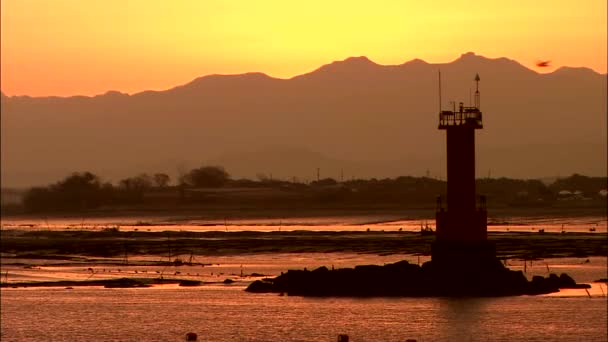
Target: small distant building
<point>566,195</point>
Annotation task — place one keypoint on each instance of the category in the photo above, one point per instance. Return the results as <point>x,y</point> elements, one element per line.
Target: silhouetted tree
<point>161,180</point>
<point>138,183</point>
<point>590,186</point>
<point>513,191</point>
<point>78,191</point>
<point>37,199</point>
<point>79,182</point>
<point>207,176</point>
<point>132,189</point>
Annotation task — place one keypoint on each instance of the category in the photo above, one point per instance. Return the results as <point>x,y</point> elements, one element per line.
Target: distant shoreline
<point>277,213</point>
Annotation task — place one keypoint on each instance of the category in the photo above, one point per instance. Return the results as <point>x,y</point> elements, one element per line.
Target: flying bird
<point>543,64</point>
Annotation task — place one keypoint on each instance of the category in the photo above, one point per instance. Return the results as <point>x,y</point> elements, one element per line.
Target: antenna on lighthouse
<point>477,79</point>
<point>439,90</point>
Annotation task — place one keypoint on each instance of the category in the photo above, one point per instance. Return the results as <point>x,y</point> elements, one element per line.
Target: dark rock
<point>124,283</point>
<point>540,285</point>
<point>566,282</point>
<point>186,282</point>
<point>321,269</point>
<point>486,278</point>
<point>228,281</point>
<point>260,286</point>
<point>343,338</point>
<point>554,280</point>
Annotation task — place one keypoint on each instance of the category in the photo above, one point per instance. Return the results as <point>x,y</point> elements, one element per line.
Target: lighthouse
<point>461,227</point>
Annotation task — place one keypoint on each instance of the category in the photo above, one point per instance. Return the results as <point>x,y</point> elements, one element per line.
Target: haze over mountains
<point>366,119</point>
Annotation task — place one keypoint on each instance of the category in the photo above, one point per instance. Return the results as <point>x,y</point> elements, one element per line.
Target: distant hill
<point>355,116</point>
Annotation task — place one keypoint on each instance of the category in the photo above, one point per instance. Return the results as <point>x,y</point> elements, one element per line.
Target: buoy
<point>191,336</point>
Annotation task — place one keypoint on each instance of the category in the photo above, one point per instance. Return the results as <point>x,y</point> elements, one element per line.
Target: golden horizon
<point>65,47</point>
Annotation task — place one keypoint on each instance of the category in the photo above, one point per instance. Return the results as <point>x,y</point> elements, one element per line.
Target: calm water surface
<point>223,313</point>
<point>337,223</point>
<point>218,312</point>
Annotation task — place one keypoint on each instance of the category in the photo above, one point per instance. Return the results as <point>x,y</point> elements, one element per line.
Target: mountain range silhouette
<point>352,117</point>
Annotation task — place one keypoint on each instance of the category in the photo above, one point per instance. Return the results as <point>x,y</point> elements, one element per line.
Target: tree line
<point>85,190</point>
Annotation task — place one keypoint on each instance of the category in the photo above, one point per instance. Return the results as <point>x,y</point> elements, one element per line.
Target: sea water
<point>229,314</point>
<point>596,224</point>
<point>219,312</point>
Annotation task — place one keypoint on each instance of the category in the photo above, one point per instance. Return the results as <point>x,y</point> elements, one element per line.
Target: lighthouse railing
<point>469,115</point>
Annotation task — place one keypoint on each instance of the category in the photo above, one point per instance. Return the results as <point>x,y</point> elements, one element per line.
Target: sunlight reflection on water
<point>219,312</point>
<point>229,314</point>
<point>347,223</point>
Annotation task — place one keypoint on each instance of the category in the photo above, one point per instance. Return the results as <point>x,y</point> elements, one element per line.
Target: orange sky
<point>69,47</point>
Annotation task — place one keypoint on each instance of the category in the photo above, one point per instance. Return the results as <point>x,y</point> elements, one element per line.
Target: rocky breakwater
<point>408,280</point>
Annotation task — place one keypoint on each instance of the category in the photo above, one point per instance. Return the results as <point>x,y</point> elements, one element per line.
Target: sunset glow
<point>69,47</point>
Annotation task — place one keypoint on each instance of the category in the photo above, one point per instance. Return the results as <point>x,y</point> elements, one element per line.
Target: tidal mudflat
<point>156,253</point>
<point>71,264</point>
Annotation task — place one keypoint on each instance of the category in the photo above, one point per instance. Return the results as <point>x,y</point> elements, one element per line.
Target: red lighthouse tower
<point>461,228</point>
